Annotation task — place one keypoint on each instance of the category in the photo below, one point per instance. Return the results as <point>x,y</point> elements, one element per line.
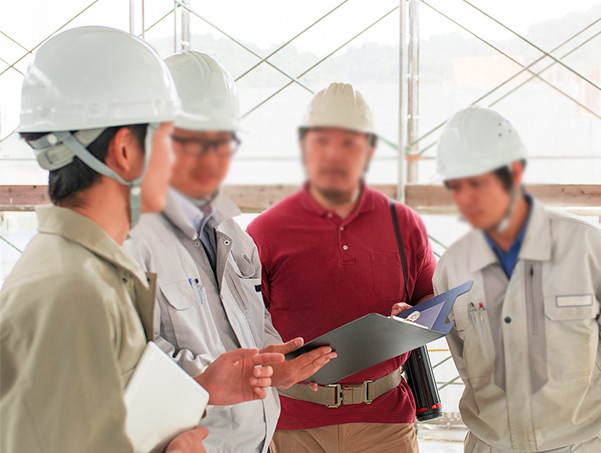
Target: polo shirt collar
<point>366,201</point>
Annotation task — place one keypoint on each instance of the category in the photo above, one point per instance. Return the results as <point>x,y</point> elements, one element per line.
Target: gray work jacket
<point>530,359</point>
<point>200,315</point>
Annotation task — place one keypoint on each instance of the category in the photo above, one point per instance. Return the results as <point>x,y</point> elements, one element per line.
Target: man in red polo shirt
<point>329,256</point>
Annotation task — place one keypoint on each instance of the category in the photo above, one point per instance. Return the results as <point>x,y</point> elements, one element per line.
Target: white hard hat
<point>87,79</point>
<point>207,92</point>
<point>339,105</point>
<point>477,140</point>
<point>91,77</point>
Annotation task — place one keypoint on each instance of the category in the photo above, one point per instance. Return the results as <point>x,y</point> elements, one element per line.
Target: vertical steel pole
<point>184,32</point>
<point>186,36</point>
<point>143,23</point>
<point>413,92</point>
<point>132,15</point>
<point>174,26</point>
<point>402,101</point>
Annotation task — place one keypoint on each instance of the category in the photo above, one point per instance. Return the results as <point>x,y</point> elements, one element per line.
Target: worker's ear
<point>124,155</point>
<point>371,152</point>
<point>517,171</point>
<point>301,145</point>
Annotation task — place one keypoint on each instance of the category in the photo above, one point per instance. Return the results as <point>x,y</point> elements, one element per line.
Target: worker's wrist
<point>204,383</point>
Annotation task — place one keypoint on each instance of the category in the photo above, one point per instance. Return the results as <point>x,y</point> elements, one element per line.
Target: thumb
<point>240,354</point>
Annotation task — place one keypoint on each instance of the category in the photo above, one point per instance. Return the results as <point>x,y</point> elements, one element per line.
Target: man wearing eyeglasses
<point>209,274</point>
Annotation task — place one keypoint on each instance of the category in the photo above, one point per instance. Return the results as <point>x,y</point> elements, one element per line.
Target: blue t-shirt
<point>509,258</point>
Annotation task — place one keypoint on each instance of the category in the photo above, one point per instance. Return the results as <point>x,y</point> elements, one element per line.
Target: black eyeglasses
<point>225,147</point>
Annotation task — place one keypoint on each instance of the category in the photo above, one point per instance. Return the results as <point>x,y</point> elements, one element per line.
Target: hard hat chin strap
<point>514,193</point>
<point>78,149</point>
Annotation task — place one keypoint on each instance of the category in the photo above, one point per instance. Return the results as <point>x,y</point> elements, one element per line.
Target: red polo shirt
<point>320,272</point>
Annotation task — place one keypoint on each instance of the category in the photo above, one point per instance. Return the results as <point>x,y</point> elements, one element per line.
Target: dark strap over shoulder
<point>399,241</point>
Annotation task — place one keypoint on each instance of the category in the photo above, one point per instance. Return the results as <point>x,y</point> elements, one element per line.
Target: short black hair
<point>371,138</point>
<point>65,184</point>
<point>504,174</point>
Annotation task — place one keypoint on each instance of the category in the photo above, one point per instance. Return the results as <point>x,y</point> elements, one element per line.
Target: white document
<point>162,401</point>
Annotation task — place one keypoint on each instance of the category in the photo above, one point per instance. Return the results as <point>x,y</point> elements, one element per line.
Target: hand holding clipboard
<point>374,338</point>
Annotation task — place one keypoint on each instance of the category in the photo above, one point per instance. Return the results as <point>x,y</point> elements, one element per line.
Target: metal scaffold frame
<point>410,143</point>
<point>409,140</point>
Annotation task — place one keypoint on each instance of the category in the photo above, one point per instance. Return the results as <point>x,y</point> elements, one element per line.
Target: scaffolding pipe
<point>186,39</point>
<point>143,23</point>
<point>401,178</point>
<point>132,15</point>
<point>412,150</point>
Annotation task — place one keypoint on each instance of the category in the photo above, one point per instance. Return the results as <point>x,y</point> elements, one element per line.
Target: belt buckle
<point>338,399</point>
<point>366,400</point>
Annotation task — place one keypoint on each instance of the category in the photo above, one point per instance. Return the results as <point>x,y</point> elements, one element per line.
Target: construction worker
<point>209,271</point>
<point>526,337</point>
<point>330,255</point>
<point>76,311</point>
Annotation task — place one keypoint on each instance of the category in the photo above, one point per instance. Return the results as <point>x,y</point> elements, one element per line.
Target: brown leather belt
<point>335,395</point>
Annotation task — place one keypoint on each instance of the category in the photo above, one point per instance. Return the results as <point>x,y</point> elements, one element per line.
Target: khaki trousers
<point>348,438</point>
<point>474,445</point>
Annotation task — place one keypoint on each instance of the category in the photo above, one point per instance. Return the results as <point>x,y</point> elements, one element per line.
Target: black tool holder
<point>418,368</point>
<point>422,383</point>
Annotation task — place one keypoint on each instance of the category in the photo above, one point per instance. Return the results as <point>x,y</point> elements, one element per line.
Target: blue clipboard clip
<point>434,312</point>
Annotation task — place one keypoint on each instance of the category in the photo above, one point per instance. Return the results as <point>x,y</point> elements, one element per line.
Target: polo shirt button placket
<point>343,238</point>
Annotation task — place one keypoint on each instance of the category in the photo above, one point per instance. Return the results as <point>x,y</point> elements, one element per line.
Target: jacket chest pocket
<point>186,318</point>
<point>572,335</point>
<point>183,294</point>
<point>478,347</point>
<point>387,276</point>
<point>247,292</point>
<point>251,288</point>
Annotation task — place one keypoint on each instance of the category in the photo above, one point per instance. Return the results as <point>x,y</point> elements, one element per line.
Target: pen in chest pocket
<point>481,329</point>
<point>194,282</point>
<point>480,310</point>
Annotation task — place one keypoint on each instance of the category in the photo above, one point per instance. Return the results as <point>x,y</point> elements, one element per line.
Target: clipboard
<point>162,401</point>
<point>373,338</point>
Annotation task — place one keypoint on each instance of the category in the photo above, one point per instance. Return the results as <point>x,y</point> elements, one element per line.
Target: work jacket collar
<point>537,241</point>
<point>86,233</point>
<point>225,209</point>
<point>536,245</point>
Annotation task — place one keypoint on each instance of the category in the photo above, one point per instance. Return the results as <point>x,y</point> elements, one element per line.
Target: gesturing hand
<point>239,376</point>
<point>288,373</point>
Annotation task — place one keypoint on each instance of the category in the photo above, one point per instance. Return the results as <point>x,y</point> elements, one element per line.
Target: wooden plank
<point>428,199</point>
<point>556,195</point>
<point>250,198</point>
<point>22,198</point>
